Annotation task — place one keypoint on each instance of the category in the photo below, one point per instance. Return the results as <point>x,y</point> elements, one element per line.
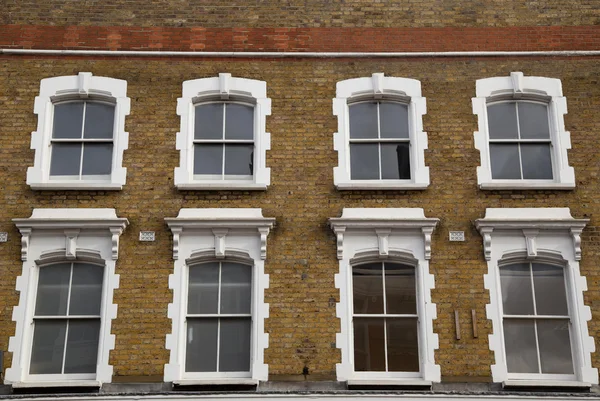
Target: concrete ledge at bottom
<point>58,383</point>
<point>389,383</point>
<point>293,386</point>
<point>237,381</point>
<point>546,383</point>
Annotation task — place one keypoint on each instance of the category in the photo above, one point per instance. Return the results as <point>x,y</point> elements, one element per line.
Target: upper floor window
<point>521,138</point>
<point>380,139</point>
<point>222,141</point>
<point>80,138</point>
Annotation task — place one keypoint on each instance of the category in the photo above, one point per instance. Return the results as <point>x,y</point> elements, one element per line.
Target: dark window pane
<point>400,289</point>
<point>550,294</point>
<point>86,289</point>
<point>403,345</point>
<point>208,122</point>
<point>53,290</point>
<point>48,347</point>
<point>208,159</point>
<point>201,352</point>
<point>367,286</point>
<point>533,119</point>
<point>555,346</point>
<point>363,120</point>
<point>239,121</point>
<point>97,158</point>
<point>364,161</point>
<point>99,120</point>
<point>521,350</point>
<point>515,282</point>
<point>203,291</point>
<point>238,159</point>
<point>395,161</point>
<point>393,120</point>
<point>369,345</point>
<point>236,282</point>
<point>234,346</point>
<point>537,162</point>
<point>68,120</point>
<point>82,346</point>
<point>502,121</point>
<point>505,161</point>
<point>66,159</point>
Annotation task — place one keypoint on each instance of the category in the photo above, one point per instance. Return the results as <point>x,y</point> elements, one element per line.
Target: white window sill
<point>408,382</point>
<point>222,185</point>
<point>76,186</point>
<point>545,383</point>
<point>525,185</point>
<point>58,383</point>
<point>245,381</point>
<point>380,185</point>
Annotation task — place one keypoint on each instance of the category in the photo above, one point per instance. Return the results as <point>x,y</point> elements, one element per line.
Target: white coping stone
<point>383,213</point>
<point>220,213</point>
<point>74,214</point>
<point>538,213</point>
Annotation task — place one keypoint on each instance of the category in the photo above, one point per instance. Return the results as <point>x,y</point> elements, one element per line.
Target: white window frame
<point>206,235</point>
<point>517,87</point>
<point>401,235</point>
<point>547,235</point>
<point>83,86</point>
<point>223,88</point>
<point>378,87</point>
<point>64,235</point>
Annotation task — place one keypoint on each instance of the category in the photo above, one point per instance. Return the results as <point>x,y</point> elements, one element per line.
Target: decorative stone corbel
<point>486,233</point>
<point>176,233</point>
<point>427,231</point>
<point>531,243</point>
<point>264,231</point>
<point>71,244</point>
<point>576,234</point>
<point>220,234</point>
<point>25,233</point>
<point>517,83</point>
<point>377,85</point>
<point>339,232</point>
<point>224,85</point>
<point>116,233</point>
<point>383,241</point>
<point>83,82</point>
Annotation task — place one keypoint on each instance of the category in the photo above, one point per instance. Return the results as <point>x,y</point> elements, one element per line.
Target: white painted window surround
<point>379,87</point>
<point>551,236</point>
<point>223,88</point>
<point>83,86</point>
<point>400,235</point>
<point>208,235</point>
<point>518,87</point>
<point>64,235</point>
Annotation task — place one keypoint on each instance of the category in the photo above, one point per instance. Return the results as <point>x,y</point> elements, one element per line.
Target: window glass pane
<point>97,158</point>
<point>363,120</point>
<point>86,289</point>
<point>66,159</point>
<point>400,289</point>
<point>403,345</point>
<point>505,161</point>
<point>208,123</point>
<point>239,159</point>
<point>208,159</point>
<point>364,161</point>
<point>82,346</point>
<point>521,349</point>
<point>367,286</point>
<point>234,348</point>
<point>48,346</point>
<point>68,120</point>
<point>550,295</point>
<point>395,161</point>
<point>369,345</point>
<point>515,282</point>
<point>53,290</point>
<point>394,120</point>
<point>201,352</point>
<point>555,346</point>
<point>537,162</point>
<point>235,288</point>
<point>239,121</point>
<point>99,120</point>
<point>502,120</point>
<point>533,120</point>
<point>204,288</point>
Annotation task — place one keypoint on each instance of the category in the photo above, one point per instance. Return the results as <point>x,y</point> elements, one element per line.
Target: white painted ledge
<point>380,185</point>
<point>390,382</point>
<point>526,185</point>
<point>210,382</point>
<point>58,383</point>
<point>76,186</point>
<point>545,383</point>
<point>222,185</point>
